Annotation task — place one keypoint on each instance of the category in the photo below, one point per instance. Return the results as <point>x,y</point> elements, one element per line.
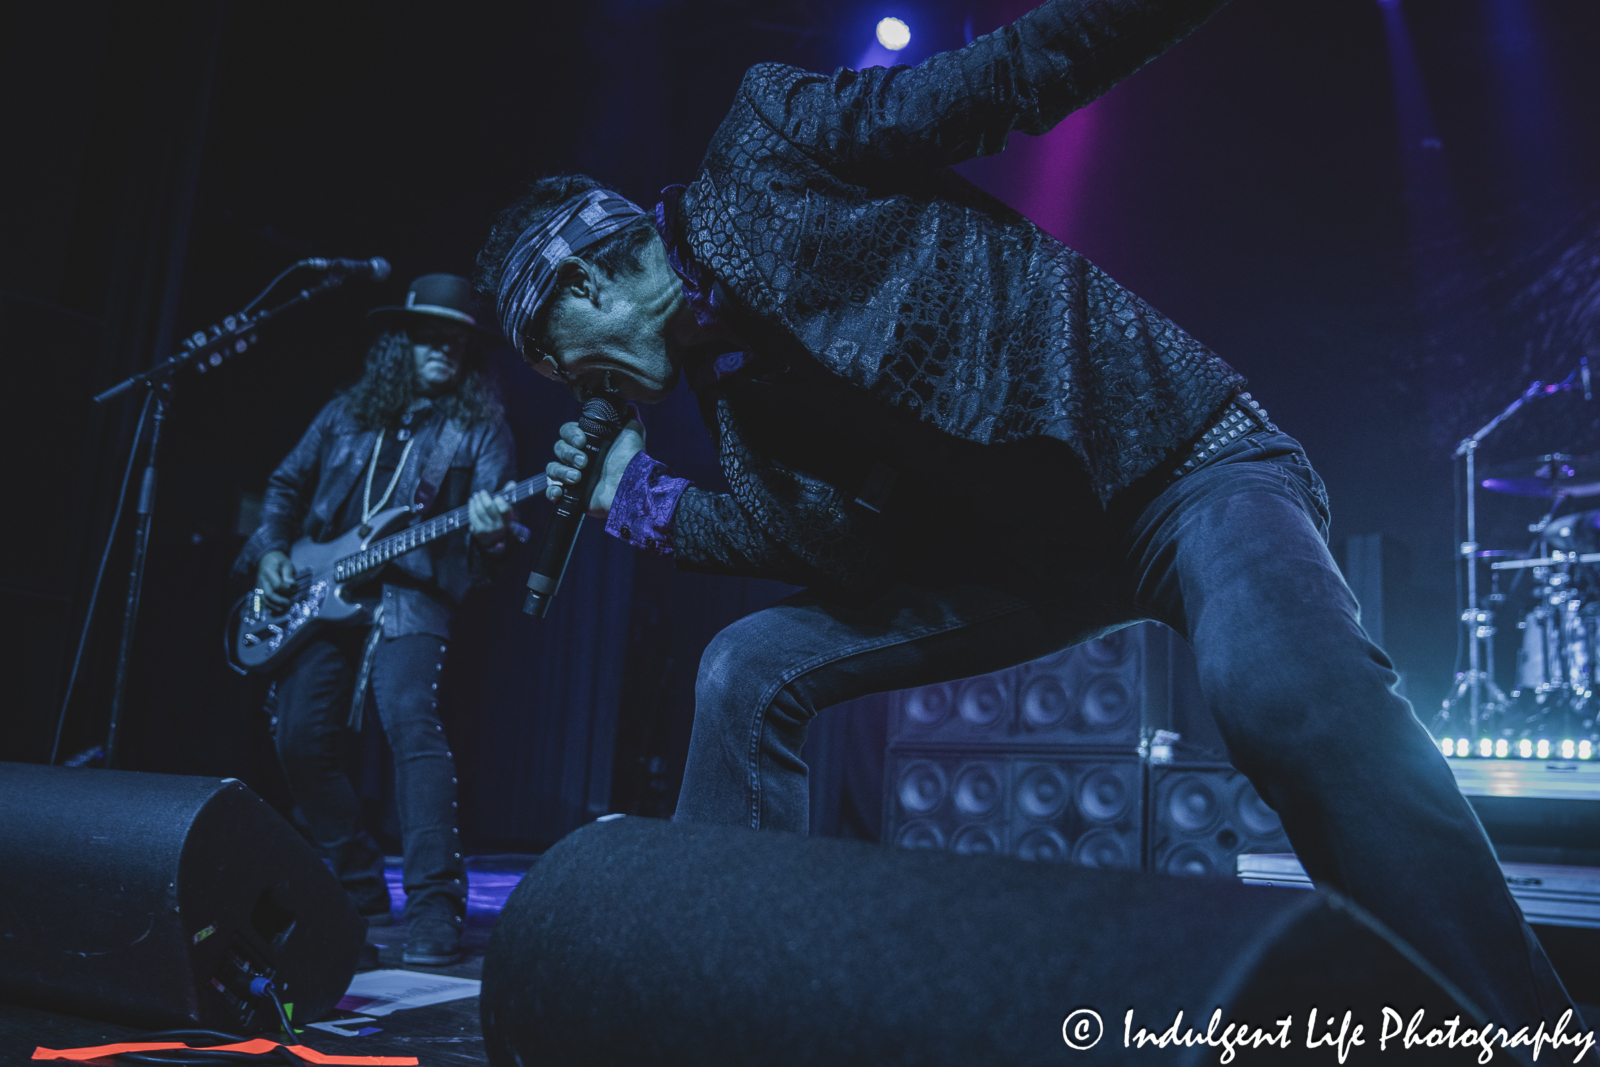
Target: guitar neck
<point>384,549</point>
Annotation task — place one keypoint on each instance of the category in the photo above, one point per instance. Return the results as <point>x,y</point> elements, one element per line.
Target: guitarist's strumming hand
<point>489,517</point>
<point>570,456</point>
<point>275,579</point>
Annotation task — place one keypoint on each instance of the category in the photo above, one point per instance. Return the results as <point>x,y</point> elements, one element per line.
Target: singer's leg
<point>1233,557</point>
<point>765,677</point>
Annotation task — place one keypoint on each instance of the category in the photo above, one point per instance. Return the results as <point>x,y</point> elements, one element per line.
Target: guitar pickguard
<point>262,641</point>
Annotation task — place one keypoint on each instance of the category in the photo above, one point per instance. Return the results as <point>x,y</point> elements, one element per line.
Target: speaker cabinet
<point>153,899</point>
<point>1056,808</point>
<point>1198,740</point>
<point>1090,696</point>
<point>1203,815</point>
<point>648,943</point>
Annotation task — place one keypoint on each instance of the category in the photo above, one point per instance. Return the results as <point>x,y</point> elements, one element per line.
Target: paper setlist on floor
<point>377,993</point>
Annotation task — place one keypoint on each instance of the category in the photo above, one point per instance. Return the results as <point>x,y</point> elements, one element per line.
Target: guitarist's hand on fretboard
<point>275,578</point>
<point>489,517</point>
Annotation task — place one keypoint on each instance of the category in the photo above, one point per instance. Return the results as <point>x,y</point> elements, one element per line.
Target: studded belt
<point>1239,416</point>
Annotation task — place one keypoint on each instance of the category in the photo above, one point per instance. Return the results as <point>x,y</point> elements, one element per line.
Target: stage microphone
<point>600,421</point>
<point>1583,365</point>
<point>376,268</point>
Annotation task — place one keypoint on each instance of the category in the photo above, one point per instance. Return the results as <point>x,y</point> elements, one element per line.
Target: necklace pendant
<point>364,532</point>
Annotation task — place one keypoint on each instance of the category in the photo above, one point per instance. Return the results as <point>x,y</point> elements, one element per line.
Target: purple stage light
<point>893,34</point>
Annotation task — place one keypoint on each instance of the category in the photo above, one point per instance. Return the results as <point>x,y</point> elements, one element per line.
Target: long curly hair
<point>389,385</point>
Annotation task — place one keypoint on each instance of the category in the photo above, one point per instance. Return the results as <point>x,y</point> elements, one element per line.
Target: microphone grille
<point>601,416</point>
<point>380,268</point>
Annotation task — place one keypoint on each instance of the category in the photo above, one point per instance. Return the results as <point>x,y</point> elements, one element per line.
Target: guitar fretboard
<point>383,550</point>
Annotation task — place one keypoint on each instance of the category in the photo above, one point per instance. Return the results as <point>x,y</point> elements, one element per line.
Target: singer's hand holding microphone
<point>567,467</point>
<point>590,458</point>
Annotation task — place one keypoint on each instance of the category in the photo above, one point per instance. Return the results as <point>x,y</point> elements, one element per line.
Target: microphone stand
<point>1476,685</point>
<point>204,350</point>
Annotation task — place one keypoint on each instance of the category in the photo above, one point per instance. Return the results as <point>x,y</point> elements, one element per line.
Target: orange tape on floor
<point>258,1045</point>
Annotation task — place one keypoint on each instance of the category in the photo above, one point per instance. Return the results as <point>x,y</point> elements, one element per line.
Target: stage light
<point>1463,747</point>
<point>1502,748</point>
<point>893,34</point>
<point>1568,749</point>
<point>1486,747</point>
<point>1525,748</point>
<point>1585,750</point>
<point>1544,748</point>
<point>1448,747</point>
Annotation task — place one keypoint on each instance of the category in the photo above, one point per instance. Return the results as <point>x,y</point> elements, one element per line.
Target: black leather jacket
<point>304,495</point>
<point>851,257</point>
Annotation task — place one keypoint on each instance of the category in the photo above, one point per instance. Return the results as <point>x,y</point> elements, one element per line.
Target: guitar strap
<point>369,652</point>
<point>437,464</point>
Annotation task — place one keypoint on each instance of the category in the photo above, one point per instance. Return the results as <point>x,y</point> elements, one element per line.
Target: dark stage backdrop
<point>1387,282</point>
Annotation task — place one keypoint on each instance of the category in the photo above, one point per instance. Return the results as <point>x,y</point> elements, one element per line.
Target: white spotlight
<point>1486,746</point>
<point>893,34</point>
<point>1462,748</point>
<point>1448,745</point>
<point>1584,749</point>
<point>1525,748</point>
<point>1543,751</point>
<point>1502,747</point>
<point>1568,749</point>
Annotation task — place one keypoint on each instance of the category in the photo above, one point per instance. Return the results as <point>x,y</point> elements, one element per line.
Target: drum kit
<point>1553,589</point>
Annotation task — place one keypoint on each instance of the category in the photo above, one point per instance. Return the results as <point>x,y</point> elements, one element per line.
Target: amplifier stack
<point>1053,761</point>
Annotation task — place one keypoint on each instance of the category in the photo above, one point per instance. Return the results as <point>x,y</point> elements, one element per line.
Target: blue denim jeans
<point>310,728</point>
<point>1233,556</point>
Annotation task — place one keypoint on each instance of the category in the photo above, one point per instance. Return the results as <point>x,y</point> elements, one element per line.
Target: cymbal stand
<point>1475,687</point>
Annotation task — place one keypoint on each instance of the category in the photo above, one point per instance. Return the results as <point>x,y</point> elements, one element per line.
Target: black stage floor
<point>448,1034</point>
<point>440,1035</point>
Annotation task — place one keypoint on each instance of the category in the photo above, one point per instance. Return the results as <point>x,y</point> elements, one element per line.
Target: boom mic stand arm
<point>203,349</point>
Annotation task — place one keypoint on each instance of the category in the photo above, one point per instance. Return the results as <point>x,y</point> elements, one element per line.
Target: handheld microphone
<point>600,421</point>
<point>376,268</point>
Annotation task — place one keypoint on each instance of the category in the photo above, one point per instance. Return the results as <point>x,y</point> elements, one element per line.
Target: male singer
<point>975,448</point>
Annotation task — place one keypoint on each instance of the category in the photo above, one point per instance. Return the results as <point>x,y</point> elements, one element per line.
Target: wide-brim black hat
<point>433,297</point>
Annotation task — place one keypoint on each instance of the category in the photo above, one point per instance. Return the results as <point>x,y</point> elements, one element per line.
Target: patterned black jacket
<point>909,322</point>
<point>305,493</point>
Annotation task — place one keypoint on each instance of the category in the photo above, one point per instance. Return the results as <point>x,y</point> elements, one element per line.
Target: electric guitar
<point>326,575</point>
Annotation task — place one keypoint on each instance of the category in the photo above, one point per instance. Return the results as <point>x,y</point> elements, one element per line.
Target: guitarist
<point>423,427</point>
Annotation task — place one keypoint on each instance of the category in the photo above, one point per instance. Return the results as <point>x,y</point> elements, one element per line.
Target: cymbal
<point>1546,476</point>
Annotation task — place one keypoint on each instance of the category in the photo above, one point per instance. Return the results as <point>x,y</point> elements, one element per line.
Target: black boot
<point>433,939</point>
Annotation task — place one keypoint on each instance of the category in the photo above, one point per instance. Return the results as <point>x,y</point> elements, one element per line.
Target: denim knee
<point>735,666</point>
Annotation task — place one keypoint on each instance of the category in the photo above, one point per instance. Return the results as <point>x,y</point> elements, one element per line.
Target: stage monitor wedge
<point>648,943</point>
<point>152,899</point>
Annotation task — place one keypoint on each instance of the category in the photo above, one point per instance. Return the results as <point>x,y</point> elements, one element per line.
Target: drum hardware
<point>1476,702</point>
<point>1546,561</point>
<point>1554,475</point>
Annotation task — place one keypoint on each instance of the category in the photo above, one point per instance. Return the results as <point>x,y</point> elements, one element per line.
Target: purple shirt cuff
<point>641,512</point>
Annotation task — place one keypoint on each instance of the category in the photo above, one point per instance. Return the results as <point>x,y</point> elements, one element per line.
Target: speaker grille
<point>1056,808</point>
<point>1091,696</point>
<point>1043,761</point>
<point>1202,816</point>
